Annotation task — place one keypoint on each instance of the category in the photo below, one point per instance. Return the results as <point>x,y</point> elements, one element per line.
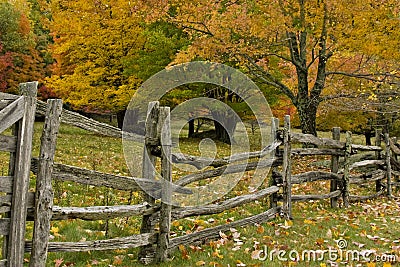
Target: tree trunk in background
<point>191,127</point>
<point>368,136</point>
<point>308,114</point>
<point>225,126</point>
<point>120,118</point>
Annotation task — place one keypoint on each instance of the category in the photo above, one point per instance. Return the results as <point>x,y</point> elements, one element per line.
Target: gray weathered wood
<point>311,139</point>
<point>12,113</point>
<point>286,170</point>
<point>3,263</point>
<point>15,255</point>
<point>6,200</point>
<point>317,151</point>
<point>5,226</point>
<point>148,172</point>
<point>365,148</point>
<point>214,233</point>
<point>78,120</point>
<point>200,163</point>
<point>99,245</point>
<point>4,103</point>
<point>180,213</point>
<point>44,189</point>
<point>314,176</point>
<point>6,96</point>
<point>166,196</point>
<point>393,147</point>
<point>335,167</point>
<point>346,171</point>
<point>15,130</point>
<point>8,143</point>
<point>202,175</point>
<point>367,177</point>
<point>388,167</point>
<point>6,184</point>
<point>273,199</point>
<point>102,212</point>
<point>367,163</point>
<point>397,173</point>
<point>89,177</point>
<point>331,195</point>
<point>353,198</point>
<point>378,156</point>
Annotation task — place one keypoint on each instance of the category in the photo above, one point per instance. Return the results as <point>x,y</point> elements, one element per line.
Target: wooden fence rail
<point>17,112</point>
<point>155,245</point>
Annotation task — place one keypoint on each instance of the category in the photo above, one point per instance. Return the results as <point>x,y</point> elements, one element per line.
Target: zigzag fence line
<point>156,244</point>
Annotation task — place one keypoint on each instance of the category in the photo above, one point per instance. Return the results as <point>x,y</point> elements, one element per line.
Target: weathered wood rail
<point>156,244</point>
<point>17,112</point>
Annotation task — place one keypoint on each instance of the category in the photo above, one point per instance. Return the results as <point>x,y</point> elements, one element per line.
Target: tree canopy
<point>19,59</point>
<point>106,52</point>
<point>298,46</point>
<point>308,56</point>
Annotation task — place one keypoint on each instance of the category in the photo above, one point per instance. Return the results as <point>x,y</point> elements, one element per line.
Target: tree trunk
<point>221,133</point>
<point>191,127</point>
<point>308,114</point>
<point>368,136</point>
<point>225,126</point>
<point>120,118</point>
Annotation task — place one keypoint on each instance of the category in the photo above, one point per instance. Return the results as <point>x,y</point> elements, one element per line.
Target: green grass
<point>369,225</point>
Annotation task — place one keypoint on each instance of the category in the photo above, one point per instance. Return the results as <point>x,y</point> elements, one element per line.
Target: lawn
<point>367,229</point>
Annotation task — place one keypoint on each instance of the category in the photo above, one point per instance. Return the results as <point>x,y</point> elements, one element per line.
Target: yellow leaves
<point>371,264</point>
<point>307,221</point>
<point>200,263</point>
<point>217,254</point>
<point>288,223</point>
<point>55,231</point>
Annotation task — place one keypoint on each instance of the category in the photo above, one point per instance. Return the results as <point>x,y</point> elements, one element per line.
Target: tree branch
<point>374,77</point>
<point>270,79</point>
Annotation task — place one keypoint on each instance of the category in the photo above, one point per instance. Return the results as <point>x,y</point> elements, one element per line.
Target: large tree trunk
<point>308,114</point>
<point>225,126</point>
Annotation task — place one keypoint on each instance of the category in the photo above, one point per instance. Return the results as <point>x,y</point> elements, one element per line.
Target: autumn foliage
<point>303,52</point>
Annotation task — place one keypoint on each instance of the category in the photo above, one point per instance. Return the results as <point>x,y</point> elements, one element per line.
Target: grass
<point>370,225</point>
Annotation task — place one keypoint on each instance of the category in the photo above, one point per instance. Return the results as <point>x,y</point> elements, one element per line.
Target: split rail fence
<point>156,245</point>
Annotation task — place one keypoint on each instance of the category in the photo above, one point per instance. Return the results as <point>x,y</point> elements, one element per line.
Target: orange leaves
<point>184,252</point>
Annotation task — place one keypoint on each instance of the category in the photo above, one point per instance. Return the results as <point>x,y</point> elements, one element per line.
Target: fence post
<point>148,172</point>
<point>16,245</point>
<point>287,183</point>
<point>346,172</point>
<point>335,166</point>
<point>388,167</point>
<point>273,199</point>
<point>44,191</point>
<point>378,155</point>
<point>166,193</point>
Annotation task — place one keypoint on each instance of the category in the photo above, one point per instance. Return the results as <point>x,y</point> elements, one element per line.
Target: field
<point>370,227</point>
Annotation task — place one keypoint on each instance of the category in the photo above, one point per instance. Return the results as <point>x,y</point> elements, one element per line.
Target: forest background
<point>325,62</point>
